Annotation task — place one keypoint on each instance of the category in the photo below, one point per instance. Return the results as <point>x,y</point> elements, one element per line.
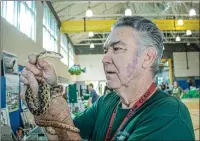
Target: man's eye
<point>116,48</point>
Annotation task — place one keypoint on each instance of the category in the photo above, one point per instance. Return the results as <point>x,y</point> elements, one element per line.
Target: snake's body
<point>39,103</point>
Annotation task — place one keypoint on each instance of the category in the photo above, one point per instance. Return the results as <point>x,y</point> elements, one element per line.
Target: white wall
<point>94,67</point>
<point>180,64</point>
<point>16,42</point>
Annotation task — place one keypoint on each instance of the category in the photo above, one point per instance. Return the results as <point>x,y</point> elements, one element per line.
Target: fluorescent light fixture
<point>89,13</point>
<point>192,12</point>
<point>128,12</point>
<point>178,39</point>
<point>188,32</point>
<point>180,22</point>
<point>90,34</point>
<point>92,45</point>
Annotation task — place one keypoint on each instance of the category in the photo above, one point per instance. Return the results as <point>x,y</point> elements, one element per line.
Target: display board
<point>72,93</point>
<point>186,64</point>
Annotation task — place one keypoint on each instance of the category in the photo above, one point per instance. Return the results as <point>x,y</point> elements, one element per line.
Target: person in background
<point>177,91</point>
<point>167,89</point>
<point>107,90</point>
<point>167,86</point>
<point>163,87</point>
<point>3,120</point>
<point>190,83</point>
<point>20,133</point>
<point>93,95</point>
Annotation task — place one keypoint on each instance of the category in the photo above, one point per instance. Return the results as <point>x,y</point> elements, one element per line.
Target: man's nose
<point>107,58</point>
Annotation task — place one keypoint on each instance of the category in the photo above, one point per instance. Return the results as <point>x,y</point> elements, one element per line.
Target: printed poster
<point>12,92</point>
<point>5,120</point>
<point>10,65</point>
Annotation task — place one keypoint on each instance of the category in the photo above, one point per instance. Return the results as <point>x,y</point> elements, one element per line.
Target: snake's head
<point>45,54</point>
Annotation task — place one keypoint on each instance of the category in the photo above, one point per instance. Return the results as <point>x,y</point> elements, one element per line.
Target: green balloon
<point>73,69</point>
<point>83,69</point>
<point>69,70</point>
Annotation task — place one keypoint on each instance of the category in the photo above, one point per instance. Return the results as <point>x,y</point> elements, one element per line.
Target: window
<point>9,11</point>
<point>64,49</point>
<point>21,14</point>
<point>27,18</point>
<point>71,55</point>
<point>50,30</point>
<point>3,9</point>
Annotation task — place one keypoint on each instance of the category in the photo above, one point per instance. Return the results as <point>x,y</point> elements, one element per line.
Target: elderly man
<point>136,109</point>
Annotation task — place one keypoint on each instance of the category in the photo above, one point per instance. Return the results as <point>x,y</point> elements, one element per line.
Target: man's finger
<point>23,80</point>
<point>43,64</point>
<point>39,78</point>
<point>32,58</point>
<point>33,69</point>
<point>23,73</point>
<point>32,81</point>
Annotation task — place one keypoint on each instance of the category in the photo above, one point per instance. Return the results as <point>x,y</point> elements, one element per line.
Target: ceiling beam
<point>106,33</point>
<point>100,39</point>
<point>193,31</point>
<point>120,15</point>
<point>169,42</point>
<point>85,10</point>
<point>167,34</point>
<point>65,8</point>
<point>77,26</point>
<point>82,16</point>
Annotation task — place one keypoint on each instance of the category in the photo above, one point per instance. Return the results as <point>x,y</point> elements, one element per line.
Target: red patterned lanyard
<point>139,103</point>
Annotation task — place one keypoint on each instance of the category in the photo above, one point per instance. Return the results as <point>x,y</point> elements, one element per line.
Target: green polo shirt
<point>161,117</point>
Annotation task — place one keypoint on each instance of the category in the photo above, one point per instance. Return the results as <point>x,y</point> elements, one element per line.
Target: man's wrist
<point>64,134</point>
<point>68,120</point>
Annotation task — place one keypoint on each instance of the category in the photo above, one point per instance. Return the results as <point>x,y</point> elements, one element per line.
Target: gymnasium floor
<point>193,106</point>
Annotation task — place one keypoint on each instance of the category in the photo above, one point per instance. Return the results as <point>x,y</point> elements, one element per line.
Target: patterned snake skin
<point>50,124</point>
<point>39,103</point>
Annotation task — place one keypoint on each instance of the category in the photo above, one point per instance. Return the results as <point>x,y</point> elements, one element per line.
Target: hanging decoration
<point>76,69</point>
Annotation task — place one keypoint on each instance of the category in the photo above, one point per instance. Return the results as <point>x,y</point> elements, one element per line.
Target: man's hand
<point>41,69</point>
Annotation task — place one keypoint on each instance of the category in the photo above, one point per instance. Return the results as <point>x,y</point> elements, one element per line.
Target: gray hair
<point>147,34</point>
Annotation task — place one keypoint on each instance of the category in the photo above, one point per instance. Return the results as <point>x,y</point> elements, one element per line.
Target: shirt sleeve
<point>162,128</point>
<point>180,90</point>
<point>91,94</point>
<point>85,121</point>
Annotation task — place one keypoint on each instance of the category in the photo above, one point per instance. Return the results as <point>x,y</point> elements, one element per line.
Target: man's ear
<point>149,56</point>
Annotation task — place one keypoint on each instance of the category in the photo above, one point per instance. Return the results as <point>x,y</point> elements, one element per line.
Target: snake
<point>38,103</point>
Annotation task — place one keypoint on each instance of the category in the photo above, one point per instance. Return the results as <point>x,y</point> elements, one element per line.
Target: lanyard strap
<point>138,104</point>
